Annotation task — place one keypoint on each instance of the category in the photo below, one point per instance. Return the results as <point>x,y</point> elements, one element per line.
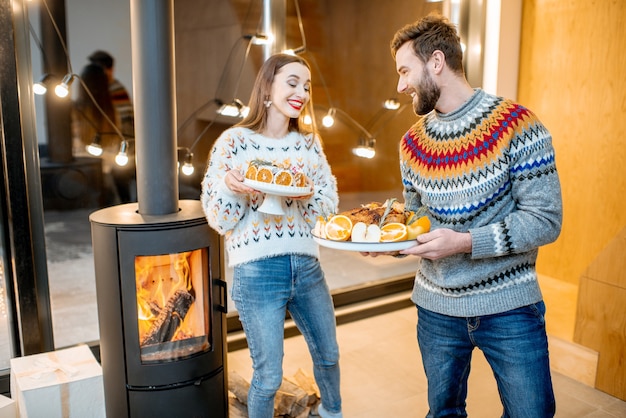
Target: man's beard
<point>428,94</point>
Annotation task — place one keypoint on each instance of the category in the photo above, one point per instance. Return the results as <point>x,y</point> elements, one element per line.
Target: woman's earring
<point>267,103</point>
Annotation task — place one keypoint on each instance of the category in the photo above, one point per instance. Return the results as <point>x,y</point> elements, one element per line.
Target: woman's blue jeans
<point>263,291</point>
<point>514,343</point>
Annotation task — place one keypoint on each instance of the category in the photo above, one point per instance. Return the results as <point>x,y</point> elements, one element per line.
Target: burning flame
<point>166,298</point>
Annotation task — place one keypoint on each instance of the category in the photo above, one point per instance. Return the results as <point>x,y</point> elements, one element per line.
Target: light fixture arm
<point>367,134</point>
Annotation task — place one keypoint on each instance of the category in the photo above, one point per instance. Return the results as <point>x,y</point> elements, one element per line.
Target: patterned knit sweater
<point>487,168</point>
<point>250,234</point>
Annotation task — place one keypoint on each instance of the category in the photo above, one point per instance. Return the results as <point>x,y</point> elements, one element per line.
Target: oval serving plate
<point>365,247</point>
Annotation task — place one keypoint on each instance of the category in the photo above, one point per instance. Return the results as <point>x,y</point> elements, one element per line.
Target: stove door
<point>172,304</point>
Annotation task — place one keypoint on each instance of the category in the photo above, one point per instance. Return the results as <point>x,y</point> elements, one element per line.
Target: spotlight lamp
<point>121,158</point>
<point>366,148</point>
<point>41,86</point>
<point>95,148</point>
<point>329,119</point>
<point>63,89</point>
<point>236,109</point>
<point>391,104</point>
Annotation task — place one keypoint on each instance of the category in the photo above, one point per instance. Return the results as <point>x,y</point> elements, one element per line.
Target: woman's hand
<point>234,181</point>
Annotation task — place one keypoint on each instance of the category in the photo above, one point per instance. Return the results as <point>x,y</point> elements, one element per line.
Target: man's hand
<point>440,243</point>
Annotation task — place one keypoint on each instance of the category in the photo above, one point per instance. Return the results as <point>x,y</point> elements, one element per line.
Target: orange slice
<point>265,175</point>
<point>251,173</point>
<point>300,179</point>
<point>283,178</point>
<point>338,228</point>
<point>418,226</point>
<point>393,231</point>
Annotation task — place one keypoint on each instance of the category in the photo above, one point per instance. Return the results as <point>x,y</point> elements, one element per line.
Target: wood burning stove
<point>161,307</point>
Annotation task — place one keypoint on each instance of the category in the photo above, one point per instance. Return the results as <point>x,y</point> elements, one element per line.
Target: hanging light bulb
<point>121,158</point>
<point>63,89</point>
<point>41,87</point>
<point>329,119</point>
<point>95,148</point>
<point>307,120</point>
<point>188,167</point>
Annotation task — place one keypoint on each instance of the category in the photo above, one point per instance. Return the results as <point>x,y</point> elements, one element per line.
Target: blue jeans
<point>514,343</point>
<point>263,291</point>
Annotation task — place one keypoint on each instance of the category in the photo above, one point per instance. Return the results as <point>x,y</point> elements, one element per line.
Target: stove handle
<point>223,302</point>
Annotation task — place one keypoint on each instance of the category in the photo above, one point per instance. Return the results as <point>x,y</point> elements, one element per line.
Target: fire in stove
<point>171,306</point>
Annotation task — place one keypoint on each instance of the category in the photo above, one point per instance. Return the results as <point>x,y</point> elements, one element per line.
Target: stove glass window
<point>173,314</point>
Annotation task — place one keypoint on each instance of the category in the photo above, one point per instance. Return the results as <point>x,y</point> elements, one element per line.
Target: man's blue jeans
<point>515,345</point>
<point>262,291</point>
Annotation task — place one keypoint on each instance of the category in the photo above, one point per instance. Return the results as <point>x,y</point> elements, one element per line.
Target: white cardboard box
<point>7,407</point>
<point>58,384</point>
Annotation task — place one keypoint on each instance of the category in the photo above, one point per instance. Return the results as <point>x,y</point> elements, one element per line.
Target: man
<point>484,168</point>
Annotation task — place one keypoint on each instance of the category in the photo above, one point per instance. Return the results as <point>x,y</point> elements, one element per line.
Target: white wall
<point>91,25</point>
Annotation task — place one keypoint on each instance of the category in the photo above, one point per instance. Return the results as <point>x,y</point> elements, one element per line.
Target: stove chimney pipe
<point>154,91</point>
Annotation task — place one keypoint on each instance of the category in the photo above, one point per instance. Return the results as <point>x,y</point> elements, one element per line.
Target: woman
<point>275,261</point>
<point>93,121</point>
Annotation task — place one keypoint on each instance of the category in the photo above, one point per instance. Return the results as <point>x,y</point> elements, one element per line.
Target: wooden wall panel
<point>601,315</point>
<point>347,43</point>
<point>571,76</point>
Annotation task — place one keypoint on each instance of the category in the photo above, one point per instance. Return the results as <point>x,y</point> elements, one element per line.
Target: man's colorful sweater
<point>252,235</point>
<point>487,168</point>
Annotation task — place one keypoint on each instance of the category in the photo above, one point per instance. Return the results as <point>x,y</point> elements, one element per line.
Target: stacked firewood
<point>295,398</point>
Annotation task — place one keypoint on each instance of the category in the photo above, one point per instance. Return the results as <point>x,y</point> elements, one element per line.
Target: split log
<point>294,399</point>
<point>170,318</point>
<point>239,387</point>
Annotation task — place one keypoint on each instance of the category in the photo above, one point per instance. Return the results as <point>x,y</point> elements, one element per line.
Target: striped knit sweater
<point>250,234</point>
<point>487,168</point>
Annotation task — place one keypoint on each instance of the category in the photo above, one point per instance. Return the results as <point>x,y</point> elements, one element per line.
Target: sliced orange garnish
<point>417,227</point>
<point>338,228</point>
<point>265,175</point>
<point>283,178</point>
<point>300,179</point>
<point>251,173</point>
<point>393,231</point>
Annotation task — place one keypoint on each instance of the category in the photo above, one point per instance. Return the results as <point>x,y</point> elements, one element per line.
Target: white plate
<point>277,190</point>
<point>365,247</point>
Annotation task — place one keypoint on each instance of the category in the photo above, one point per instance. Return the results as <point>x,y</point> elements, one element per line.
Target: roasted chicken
<point>373,212</point>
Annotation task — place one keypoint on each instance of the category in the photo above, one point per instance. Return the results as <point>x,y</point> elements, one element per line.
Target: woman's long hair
<point>257,117</point>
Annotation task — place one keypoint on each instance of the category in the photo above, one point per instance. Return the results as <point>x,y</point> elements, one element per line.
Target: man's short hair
<point>102,58</point>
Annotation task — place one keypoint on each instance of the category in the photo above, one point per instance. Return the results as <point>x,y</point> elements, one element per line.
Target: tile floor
<point>382,374</point>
